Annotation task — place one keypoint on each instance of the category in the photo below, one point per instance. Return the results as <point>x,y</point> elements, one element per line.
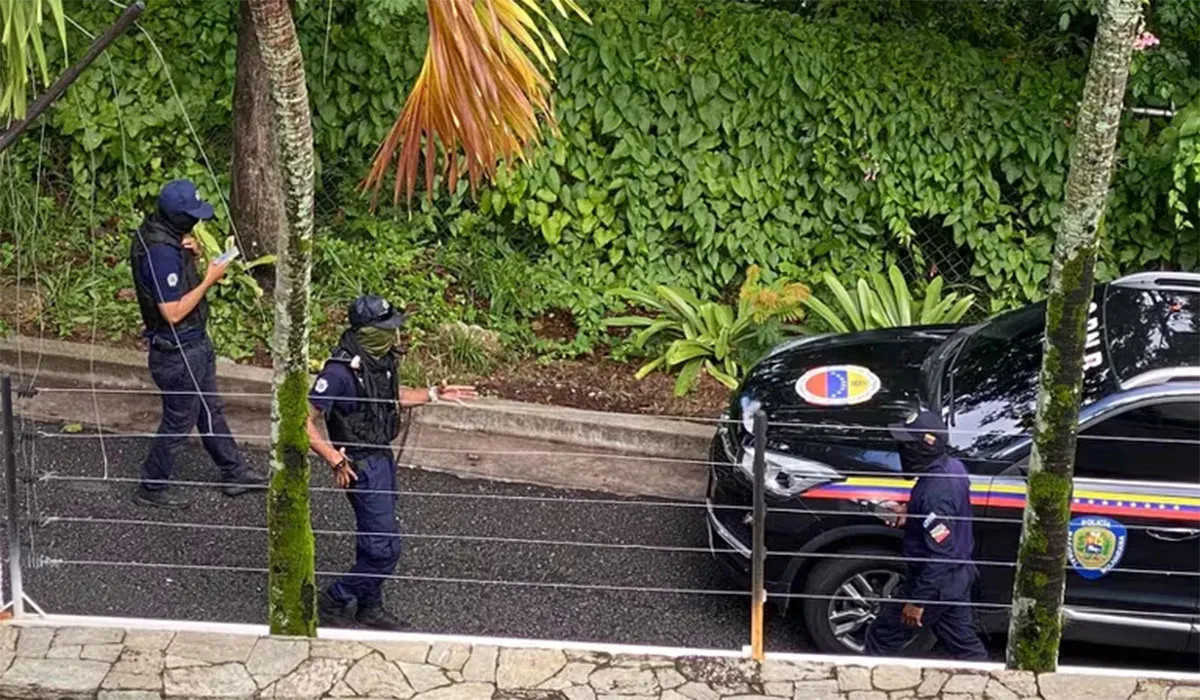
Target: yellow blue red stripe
<point>1007,495</point>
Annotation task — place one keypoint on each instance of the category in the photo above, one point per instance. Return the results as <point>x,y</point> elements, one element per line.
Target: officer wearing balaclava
<point>170,294</point>
<point>359,395</point>
<point>938,544</point>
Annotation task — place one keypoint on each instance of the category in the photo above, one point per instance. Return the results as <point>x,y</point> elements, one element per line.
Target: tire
<point>826,597</point>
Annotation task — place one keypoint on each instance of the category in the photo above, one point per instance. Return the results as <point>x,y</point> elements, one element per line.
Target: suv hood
<point>895,356</point>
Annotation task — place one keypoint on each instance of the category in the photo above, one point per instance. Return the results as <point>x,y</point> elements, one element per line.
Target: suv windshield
<point>995,380</point>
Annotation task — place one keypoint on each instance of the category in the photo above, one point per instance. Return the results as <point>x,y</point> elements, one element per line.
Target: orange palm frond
<point>478,97</point>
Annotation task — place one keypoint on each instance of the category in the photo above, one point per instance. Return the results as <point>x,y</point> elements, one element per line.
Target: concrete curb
<point>94,366</point>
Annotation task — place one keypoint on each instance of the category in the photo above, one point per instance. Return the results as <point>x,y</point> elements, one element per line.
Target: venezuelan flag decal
<point>837,385</point>
<point>1010,495</point>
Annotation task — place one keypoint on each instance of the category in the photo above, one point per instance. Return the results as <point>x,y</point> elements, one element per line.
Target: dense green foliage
<point>720,339</point>
<point>876,301</point>
<point>696,138</point>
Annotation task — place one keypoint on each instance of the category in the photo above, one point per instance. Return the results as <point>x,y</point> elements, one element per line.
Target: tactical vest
<point>154,231</point>
<point>368,427</point>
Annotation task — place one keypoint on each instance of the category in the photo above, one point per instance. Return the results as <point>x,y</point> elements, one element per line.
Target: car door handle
<point>1173,534</point>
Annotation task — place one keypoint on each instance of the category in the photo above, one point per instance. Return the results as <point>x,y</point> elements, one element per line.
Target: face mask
<point>916,456</point>
<point>180,222</point>
<point>376,341</point>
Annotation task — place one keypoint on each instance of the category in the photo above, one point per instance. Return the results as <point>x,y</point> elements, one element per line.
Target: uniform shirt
<point>163,274</point>
<point>938,527</point>
<point>335,384</point>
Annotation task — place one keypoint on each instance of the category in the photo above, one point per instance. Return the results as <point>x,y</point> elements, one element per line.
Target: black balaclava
<point>916,457</point>
<point>180,223</point>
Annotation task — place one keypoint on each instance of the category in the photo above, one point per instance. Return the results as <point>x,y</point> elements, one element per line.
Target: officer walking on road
<point>938,543</point>
<point>170,294</point>
<point>359,395</point>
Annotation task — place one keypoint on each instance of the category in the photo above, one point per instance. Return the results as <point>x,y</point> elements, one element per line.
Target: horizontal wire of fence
<point>452,580</point>
<point>863,500</point>
<point>826,429</point>
<point>490,539</point>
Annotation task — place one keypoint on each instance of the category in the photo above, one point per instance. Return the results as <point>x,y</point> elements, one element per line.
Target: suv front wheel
<point>839,606</point>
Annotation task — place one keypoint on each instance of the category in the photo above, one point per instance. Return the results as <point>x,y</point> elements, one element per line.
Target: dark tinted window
<point>1151,329</point>
<point>995,381</point>
<point>1165,447</point>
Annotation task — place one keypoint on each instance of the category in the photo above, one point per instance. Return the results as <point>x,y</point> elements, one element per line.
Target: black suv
<point>1135,532</point>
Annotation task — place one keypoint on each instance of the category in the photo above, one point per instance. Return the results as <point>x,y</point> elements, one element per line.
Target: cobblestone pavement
<point>117,664</point>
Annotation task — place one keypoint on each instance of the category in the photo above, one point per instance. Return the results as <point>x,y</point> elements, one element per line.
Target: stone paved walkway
<point>117,664</point>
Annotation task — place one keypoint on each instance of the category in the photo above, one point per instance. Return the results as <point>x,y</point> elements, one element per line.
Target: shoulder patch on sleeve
<point>939,533</point>
<point>172,279</point>
<point>321,386</point>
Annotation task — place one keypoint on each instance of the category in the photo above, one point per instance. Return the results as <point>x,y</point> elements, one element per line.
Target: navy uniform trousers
<point>377,543</point>
<point>187,377</point>
<point>953,625</point>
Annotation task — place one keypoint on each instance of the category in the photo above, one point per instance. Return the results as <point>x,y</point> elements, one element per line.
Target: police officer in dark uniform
<point>170,294</point>
<point>359,395</point>
<point>939,544</point>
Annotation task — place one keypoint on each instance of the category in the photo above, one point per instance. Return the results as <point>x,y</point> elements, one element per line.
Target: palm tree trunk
<point>292,583</point>
<point>1036,626</point>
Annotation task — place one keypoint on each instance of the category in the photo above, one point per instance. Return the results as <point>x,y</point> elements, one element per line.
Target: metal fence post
<point>758,552</point>
<point>10,485</point>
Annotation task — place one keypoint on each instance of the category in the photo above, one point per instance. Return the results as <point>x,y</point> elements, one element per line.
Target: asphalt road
<point>463,573</point>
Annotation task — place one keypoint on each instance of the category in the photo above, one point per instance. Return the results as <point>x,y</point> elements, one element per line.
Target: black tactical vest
<point>365,427</point>
<point>154,231</point>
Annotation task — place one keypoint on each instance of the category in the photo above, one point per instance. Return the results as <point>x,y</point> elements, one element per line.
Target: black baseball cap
<point>371,310</point>
<point>920,426</point>
<point>180,197</point>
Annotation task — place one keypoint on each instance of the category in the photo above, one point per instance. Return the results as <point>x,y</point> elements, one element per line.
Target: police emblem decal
<point>838,385</point>
<point>1096,545</point>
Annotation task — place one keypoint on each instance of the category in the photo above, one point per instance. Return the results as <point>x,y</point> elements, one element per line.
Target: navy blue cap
<point>180,197</point>
<point>371,310</point>
<point>920,426</point>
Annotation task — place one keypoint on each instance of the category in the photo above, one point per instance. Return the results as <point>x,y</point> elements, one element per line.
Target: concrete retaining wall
<point>115,663</point>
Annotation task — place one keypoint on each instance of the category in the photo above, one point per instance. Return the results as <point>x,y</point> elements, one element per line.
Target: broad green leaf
<point>639,340</point>
<point>730,382</point>
<point>678,300</point>
<point>628,322</point>
<point>960,309</point>
<point>687,377</point>
<point>933,298</point>
<point>834,321</point>
<point>684,350</point>
<point>867,302</point>
<point>712,322</point>
<point>888,301</point>
<point>843,297</point>
<point>904,304</point>
<point>649,367</point>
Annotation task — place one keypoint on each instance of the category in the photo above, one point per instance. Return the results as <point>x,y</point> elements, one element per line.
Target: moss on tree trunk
<point>292,582</point>
<point>1036,626</point>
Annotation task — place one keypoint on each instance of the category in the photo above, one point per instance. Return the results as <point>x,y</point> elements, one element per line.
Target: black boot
<point>160,498</point>
<point>377,617</point>
<point>248,480</point>
<point>333,613</point>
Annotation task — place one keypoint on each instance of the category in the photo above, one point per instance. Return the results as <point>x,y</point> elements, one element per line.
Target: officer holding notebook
<point>170,294</point>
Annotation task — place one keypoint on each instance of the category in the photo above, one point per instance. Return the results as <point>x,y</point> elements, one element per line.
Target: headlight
<point>788,476</point>
<point>749,408</point>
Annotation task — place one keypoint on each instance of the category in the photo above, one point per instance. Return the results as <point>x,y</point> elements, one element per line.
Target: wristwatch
<point>433,394</point>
